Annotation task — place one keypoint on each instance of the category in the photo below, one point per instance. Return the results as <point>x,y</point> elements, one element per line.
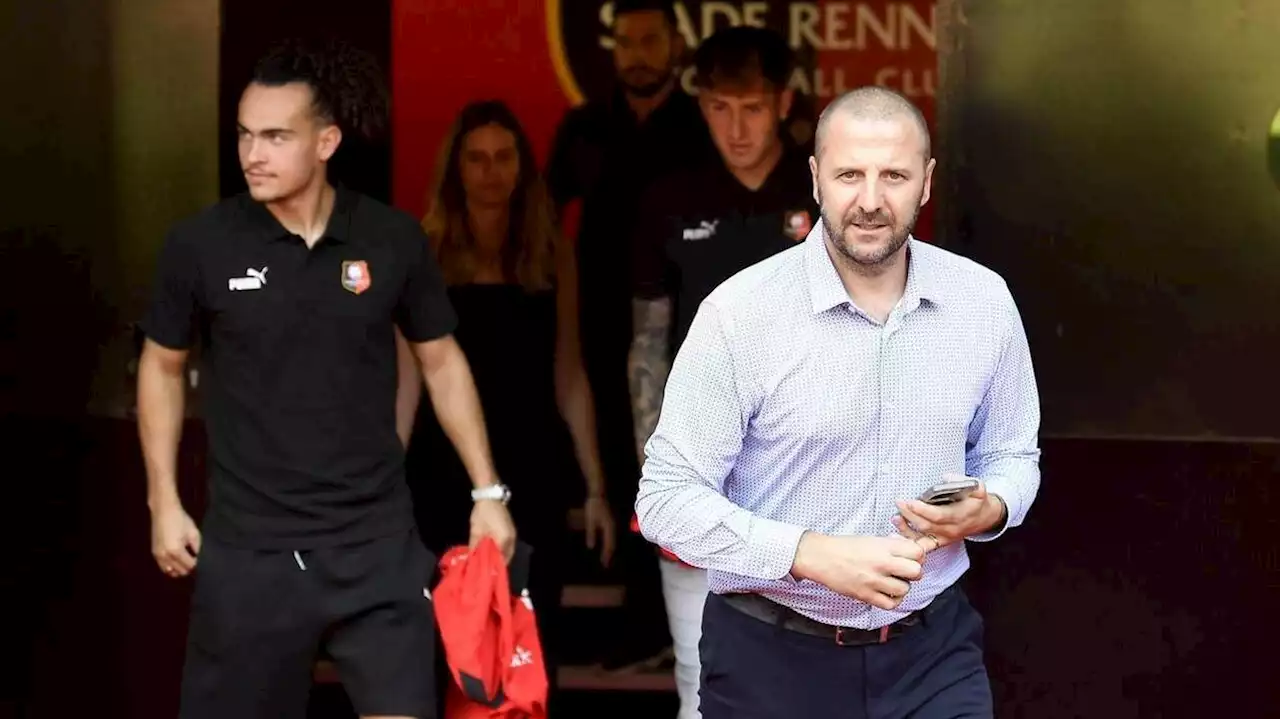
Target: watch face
<point>497,491</point>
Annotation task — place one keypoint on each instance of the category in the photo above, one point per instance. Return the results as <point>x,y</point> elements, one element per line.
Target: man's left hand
<point>949,523</point>
<point>490,518</point>
<point>598,521</point>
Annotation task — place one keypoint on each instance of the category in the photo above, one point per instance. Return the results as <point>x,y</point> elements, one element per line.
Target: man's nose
<point>871,199</point>
<point>738,125</point>
<point>255,151</point>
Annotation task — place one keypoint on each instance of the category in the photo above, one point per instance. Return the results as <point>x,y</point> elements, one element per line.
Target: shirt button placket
<point>882,478</point>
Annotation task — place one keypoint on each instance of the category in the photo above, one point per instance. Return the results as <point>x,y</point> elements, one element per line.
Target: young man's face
<point>646,49</point>
<point>744,122</point>
<point>283,144</point>
<point>489,163</point>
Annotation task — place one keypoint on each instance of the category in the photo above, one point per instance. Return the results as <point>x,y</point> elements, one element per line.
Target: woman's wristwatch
<point>499,492</point>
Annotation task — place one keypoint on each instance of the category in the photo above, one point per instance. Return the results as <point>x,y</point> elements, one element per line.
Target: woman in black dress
<point>513,282</point>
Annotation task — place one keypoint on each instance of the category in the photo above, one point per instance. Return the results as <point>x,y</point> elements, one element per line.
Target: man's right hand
<point>874,570</point>
<point>175,540</point>
<point>490,518</point>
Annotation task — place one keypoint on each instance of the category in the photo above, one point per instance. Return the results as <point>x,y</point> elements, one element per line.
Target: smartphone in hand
<point>949,492</point>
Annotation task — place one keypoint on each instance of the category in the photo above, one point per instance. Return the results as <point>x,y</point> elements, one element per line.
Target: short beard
<point>879,260</point>
<point>647,90</point>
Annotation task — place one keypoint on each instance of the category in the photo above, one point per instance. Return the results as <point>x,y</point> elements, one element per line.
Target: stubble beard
<point>879,258</point>
<point>646,90</point>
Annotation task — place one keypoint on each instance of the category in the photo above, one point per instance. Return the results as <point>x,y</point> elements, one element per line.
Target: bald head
<point>872,172</point>
<point>872,103</point>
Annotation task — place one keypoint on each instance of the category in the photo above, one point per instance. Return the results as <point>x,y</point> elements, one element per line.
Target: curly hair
<point>347,83</point>
<point>529,255</point>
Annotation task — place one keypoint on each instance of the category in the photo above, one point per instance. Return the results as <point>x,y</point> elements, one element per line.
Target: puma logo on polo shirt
<point>255,280</point>
<point>704,231</point>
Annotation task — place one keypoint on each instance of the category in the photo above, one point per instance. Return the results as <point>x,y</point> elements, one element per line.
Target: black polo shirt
<point>299,358</point>
<point>606,157</point>
<point>700,227</point>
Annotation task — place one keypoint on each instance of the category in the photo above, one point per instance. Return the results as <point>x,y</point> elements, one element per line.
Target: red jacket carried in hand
<point>490,636</point>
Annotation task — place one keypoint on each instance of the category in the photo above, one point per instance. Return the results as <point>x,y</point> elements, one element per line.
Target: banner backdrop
<point>544,56</point>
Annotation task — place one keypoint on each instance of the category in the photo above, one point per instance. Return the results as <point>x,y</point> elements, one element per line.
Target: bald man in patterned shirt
<point>817,395</point>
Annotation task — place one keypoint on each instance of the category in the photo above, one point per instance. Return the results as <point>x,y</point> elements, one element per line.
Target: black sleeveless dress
<point>509,337</point>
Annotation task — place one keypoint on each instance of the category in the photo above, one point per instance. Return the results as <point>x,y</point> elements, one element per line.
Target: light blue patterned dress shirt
<point>789,409</point>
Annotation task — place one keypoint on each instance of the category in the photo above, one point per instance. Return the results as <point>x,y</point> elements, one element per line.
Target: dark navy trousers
<point>756,670</point>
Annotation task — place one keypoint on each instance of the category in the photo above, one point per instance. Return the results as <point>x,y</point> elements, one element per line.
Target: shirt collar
<point>779,181</point>
<point>827,291</point>
<point>338,229</point>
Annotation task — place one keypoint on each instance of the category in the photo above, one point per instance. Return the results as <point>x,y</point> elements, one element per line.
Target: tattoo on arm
<point>648,365</point>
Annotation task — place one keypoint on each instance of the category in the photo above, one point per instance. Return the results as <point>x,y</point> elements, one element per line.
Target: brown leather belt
<point>770,612</point>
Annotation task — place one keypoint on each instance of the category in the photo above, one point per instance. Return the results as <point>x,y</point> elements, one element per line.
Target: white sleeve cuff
<point>771,549</point>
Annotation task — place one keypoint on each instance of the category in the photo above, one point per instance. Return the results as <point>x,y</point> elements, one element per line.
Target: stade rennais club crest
<point>838,45</point>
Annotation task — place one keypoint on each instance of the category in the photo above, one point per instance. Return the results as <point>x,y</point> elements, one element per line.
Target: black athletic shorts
<point>259,619</point>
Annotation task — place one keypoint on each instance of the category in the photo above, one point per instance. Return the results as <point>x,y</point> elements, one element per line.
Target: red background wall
<point>446,53</point>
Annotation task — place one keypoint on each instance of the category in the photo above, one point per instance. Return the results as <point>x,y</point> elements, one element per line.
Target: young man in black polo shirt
<point>699,227</point>
<point>604,156</point>
<point>297,289</point>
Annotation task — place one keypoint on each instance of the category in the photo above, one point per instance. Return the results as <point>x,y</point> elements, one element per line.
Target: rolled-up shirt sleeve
<point>1003,449</point>
<point>681,505</point>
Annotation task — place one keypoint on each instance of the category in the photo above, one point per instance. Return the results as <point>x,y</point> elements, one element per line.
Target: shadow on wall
<point>52,327</point>
<point>1144,577</point>
<point>53,323</point>
<point>1111,161</point>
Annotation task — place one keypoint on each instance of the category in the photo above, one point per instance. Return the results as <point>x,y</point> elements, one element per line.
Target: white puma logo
<point>256,280</point>
<point>703,231</point>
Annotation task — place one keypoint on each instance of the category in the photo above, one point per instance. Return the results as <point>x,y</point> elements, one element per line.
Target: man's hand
<point>938,526</point>
<point>599,527</point>
<point>175,540</point>
<point>490,518</point>
<point>874,570</point>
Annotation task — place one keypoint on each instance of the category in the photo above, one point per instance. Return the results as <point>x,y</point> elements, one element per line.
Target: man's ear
<point>813,170</point>
<point>330,139</point>
<point>678,47</point>
<point>927,192</point>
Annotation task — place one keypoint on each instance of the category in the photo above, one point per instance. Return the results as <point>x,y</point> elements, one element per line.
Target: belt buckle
<point>841,637</point>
